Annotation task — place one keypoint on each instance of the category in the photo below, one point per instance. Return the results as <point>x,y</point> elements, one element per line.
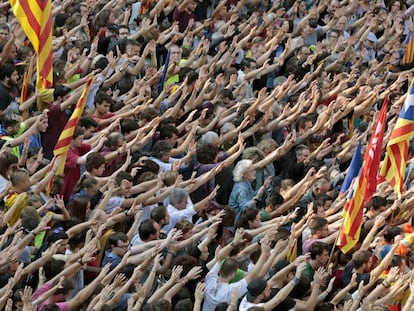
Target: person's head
<point>4,32</point>
<point>20,179</point>
<point>378,205</point>
<point>207,154</point>
<point>95,164</point>
<point>160,215</point>
<point>186,227</point>
<point>250,219</point>
<point>56,234</point>
<point>178,198</point>
<point>253,153</point>
<point>228,269</point>
<point>319,253</point>
<point>302,153</point>
<point>89,125</point>
<point>124,181</point>
<point>209,138</point>
<point>89,184</point>
<point>319,227</point>
<point>119,244</point>
<point>244,170</point>
<point>161,150</point>
<point>258,291</point>
<point>175,54</point>
<point>52,268</point>
<point>17,300</point>
<point>149,230</point>
<point>169,133</point>
<point>79,207</point>
<point>361,259</point>
<point>123,32</point>
<point>11,123</point>
<point>65,288</point>
<point>210,209</point>
<point>103,103</point>
<point>390,232</point>
<point>159,305</point>
<point>304,124</point>
<point>8,75</point>
<point>274,200</point>
<point>6,163</point>
<point>77,137</point>
<point>29,218</point>
<point>60,93</point>
<point>320,186</point>
<point>342,23</point>
<point>132,48</point>
<point>34,200</point>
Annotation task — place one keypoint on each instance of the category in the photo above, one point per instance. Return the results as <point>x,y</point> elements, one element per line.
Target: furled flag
<point>65,138</point>
<point>408,56</point>
<point>353,210</point>
<point>35,17</point>
<point>164,73</point>
<point>393,167</point>
<point>354,168</point>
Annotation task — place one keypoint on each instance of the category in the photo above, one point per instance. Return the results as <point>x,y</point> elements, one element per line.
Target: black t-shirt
<point>346,279</point>
<point>285,305</point>
<point>7,95</point>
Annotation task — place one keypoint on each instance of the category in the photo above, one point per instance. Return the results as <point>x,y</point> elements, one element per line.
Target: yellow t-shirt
<point>9,201</point>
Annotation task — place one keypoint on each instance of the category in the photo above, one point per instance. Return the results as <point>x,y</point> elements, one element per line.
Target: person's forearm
<point>160,292</point>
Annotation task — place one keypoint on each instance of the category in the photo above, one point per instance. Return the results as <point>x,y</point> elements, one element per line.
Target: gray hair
<point>177,195</point>
<point>253,153</point>
<point>208,138</point>
<point>241,167</point>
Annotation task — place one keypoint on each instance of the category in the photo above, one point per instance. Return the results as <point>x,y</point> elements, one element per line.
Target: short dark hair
<point>160,148</point>
<point>101,97</point>
<point>167,131</point>
<point>87,122</point>
<point>207,153</point>
<point>146,229</point>
<point>94,160</point>
<point>228,267</point>
<point>317,248</point>
<point>6,70</point>
<point>122,176</point>
<point>377,202</point>
<point>115,237</point>
<point>158,213</point>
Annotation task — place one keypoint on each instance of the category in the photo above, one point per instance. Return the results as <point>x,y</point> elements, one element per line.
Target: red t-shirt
<point>57,122</point>
<point>106,116</point>
<point>72,169</point>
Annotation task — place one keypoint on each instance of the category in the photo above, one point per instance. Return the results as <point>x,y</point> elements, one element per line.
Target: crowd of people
<point>206,170</point>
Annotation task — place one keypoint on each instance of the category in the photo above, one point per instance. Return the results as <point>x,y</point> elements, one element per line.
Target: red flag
<point>373,153</point>
<point>365,186</point>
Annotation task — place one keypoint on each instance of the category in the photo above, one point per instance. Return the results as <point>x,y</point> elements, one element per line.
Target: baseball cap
<point>255,288</point>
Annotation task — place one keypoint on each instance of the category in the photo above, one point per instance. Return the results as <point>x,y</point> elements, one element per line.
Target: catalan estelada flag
<point>354,169</point>
<point>62,146</point>
<point>367,181</point>
<point>408,56</point>
<point>393,167</point>
<point>35,17</point>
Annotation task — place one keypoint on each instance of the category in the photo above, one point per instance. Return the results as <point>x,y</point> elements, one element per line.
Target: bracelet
<point>295,280</point>
<point>126,213</point>
<point>386,285</point>
<point>80,261</point>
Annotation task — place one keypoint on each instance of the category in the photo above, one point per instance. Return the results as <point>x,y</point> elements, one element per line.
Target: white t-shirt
<point>177,215</point>
<point>216,293</point>
<point>245,305</point>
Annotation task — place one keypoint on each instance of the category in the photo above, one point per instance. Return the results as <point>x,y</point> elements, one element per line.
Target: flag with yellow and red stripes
<point>35,18</point>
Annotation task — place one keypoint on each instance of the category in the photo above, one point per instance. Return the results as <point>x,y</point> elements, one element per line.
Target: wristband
<point>295,280</point>
<point>386,285</point>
